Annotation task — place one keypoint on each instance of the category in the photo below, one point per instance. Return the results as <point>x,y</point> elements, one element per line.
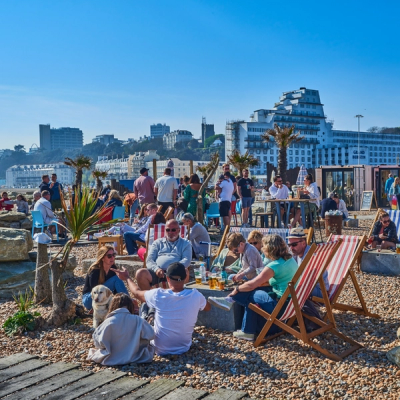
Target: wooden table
<point>112,239</point>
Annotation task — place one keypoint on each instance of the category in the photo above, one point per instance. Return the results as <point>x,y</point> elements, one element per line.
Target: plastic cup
<point>379,248</point>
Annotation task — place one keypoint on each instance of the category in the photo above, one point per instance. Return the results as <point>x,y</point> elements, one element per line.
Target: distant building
<point>117,168</point>
<point>170,139</point>
<point>104,139</point>
<point>158,130</point>
<point>31,175</point>
<point>60,138</point>
<point>138,160</point>
<point>216,143</point>
<point>5,153</point>
<point>207,130</point>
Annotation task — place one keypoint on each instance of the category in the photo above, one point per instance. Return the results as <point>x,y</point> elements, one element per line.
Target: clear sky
<point>115,67</point>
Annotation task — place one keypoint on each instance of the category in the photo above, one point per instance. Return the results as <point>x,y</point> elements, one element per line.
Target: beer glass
<point>211,281</point>
<point>398,248</point>
<point>197,276</point>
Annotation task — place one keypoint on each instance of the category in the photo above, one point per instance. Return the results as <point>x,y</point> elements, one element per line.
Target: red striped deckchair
<point>308,274</point>
<point>341,268</point>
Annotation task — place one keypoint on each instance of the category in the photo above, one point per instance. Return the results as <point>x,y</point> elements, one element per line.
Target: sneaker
<point>221,302</point>
<point>244,336</point>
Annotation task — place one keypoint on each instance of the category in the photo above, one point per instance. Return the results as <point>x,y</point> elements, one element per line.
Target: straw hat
<point>297,233</point>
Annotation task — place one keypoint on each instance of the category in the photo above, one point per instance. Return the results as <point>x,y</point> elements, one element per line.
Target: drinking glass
<point>197,276</point>
<point>379,248</point>
<point>398,248</point>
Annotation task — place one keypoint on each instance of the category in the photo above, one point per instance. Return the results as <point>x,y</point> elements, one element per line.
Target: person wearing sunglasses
<point>279,191</point>
<point>162,253</point>
<point>255,239</point>
<point>297,242</point>
<point>100,273</point>
<point>196,235</point>
<point>384,233</point>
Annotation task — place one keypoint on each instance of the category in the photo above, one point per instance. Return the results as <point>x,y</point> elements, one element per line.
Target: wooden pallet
<point>26,377</point>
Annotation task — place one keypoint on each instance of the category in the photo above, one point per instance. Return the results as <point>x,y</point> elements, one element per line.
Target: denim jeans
<point>251,212</point>
<point>132,211</point>
<point>252,322</point>
<point>130,242</point>
<point>114,284</point>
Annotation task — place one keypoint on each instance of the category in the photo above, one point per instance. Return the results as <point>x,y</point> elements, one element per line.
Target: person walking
<point>388,185</point>
<point>395,191</point>
<point>56,187</point>
<point>144,188</point>
<point>192,192</point>
<point>166,189</point>
<point>244,188</point>
<point>224,187</point>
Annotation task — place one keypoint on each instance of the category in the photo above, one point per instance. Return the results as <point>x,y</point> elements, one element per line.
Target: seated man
<point>279,191</point>
<point>299,247</point>
<point>139,234</point>
<point>384,233</point>
<point>162,253</point>
<point>44,206</point>
<point>176,308</point>
<point>196,235</point>
<point>328,204</point>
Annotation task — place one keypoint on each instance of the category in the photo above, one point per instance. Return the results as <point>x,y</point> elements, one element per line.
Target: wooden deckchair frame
<point>350,273</point>
<point>309,232</point>
<point>168,213</point>
<point>301,333</point>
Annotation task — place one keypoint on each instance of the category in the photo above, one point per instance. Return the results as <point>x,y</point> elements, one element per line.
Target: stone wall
<point>16,220</point>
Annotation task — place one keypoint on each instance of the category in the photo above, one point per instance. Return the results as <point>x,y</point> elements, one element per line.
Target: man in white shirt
<point>44,206</point>
<point>166,189</point>
<point>225,189</point>
<point>176,309</point>
<point>279,191</point>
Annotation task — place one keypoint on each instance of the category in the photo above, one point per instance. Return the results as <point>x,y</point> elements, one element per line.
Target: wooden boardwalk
<point>26,377</point>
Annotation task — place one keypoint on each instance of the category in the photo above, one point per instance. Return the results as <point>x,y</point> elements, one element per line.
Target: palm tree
<point>80,163</point>
<point>283,137</point>
<point>98,175</point>
<point>241,162</point>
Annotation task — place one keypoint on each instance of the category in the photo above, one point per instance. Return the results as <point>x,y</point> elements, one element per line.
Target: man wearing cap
<point>176,309</point>
<point>298,245</point>
<point>196,235</point>
<point>328,204</point>
<point>144,188</point>
<point>162,253</point>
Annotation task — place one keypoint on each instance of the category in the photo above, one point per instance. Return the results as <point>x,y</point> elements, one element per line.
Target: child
<point>22,204</point>
<point>5,202</point>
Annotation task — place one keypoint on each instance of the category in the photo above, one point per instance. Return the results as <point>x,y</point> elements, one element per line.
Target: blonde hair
<point>274,247</point>
<point>98,264</point>
<point>234,239</point>
<point>114,195</point>
<point>256,236</point>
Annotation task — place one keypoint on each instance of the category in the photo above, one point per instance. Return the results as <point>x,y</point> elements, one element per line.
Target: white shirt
<point>279,193</point>
<point>44,206</point>
<point>166,185</point>
<point>313,193</point>
<point>227,190</point>
<point>175,318</point>
<point>342,207</point>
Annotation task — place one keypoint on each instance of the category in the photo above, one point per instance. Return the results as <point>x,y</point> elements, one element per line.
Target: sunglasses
<point>386,221</point>
<point>171,230</point>
<point>293,244</point>
<point>111,255</point>
<point>253,243</point>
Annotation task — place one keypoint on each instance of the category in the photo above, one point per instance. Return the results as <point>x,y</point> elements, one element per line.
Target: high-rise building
<point>60,138</point>
<point>207,130</point>
<point>158,130</point>
<point>104,139</point>
<point>171,139</point>
<point>322,145</point>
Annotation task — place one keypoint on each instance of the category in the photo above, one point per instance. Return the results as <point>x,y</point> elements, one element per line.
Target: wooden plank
<point>34,377</point>
<point>225,394</point>
<point>155,390</point>
<point>185,393</point>
<point>20,369</point>
<point>117,389</point>
<point>50,385</point>
<point>15,359</point>
<point>85,386</point>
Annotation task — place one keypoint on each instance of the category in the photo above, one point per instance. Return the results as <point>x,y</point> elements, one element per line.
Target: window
<point>303,159</point>
<point>301,105</point>
<point>297,159</point>
<point>303,152</point>
<point>290,152</point>
<point>258,151</point>
<point>272,158</point>
<point>296,152</point>
<point>309,159</point>
<point>265,158</point>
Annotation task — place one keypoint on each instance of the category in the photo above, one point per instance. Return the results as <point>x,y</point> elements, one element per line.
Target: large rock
<point>14,244</point>
<point>11,216</point>
<point>394,355</point>
<point>26,223</point>
<point>16,277</point>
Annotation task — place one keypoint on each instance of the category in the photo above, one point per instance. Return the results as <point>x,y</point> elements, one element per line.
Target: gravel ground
<point>283,368</point>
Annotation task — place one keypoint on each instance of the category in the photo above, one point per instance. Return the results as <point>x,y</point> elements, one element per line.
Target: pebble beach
<point>281,369</point>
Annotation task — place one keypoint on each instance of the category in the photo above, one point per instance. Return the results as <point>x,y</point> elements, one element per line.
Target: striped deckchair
<point>284,233</point>
<point>341,268</point>
<point>299,289</point>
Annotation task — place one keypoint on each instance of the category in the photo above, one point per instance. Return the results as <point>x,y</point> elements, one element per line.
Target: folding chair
<point>339,270</point>
<point>308,274</point>
<point>168,213</point>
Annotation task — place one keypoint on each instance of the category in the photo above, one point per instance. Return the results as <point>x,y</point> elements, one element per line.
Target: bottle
<point>224,276</point>
<point>203,273</point>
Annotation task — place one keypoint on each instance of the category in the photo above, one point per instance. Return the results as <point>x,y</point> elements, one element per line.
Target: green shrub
<point>20,322</point>
<point>24,300</point>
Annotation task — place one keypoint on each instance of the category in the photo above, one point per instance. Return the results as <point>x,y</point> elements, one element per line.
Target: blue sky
<point>119,66</point>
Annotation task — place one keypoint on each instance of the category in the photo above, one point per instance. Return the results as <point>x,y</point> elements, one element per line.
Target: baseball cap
<point>143,170</point>
<point>297,233</point>
<point>221,176</point>
<point>176,270</point>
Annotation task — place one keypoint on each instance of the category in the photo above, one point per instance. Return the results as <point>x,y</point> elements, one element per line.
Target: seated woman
<point>250,258</point>
<point>158,218</point>
<point>341,206</point>
<point>384,233</point>
<point>122,338</point>
<point>195,235</point>
<point>21,202</point>
<point>227,259</point>
<point>99,274</point>
<point>276,275</point>
<point>255,238</point>
<point>114,200</point>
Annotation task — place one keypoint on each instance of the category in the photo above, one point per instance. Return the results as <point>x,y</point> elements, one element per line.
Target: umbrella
<point>302,174</point>
<point>272,176</point>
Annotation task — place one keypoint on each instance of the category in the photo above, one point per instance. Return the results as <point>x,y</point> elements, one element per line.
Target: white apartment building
<point>31,175</point>
<point>117,168</point>
<point>170,139</point>
<point>138,160</point>
<point>322,144</point>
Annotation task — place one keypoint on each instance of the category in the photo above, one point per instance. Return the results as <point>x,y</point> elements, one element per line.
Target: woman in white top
<point>341,206</point>
<point>311,190</point>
